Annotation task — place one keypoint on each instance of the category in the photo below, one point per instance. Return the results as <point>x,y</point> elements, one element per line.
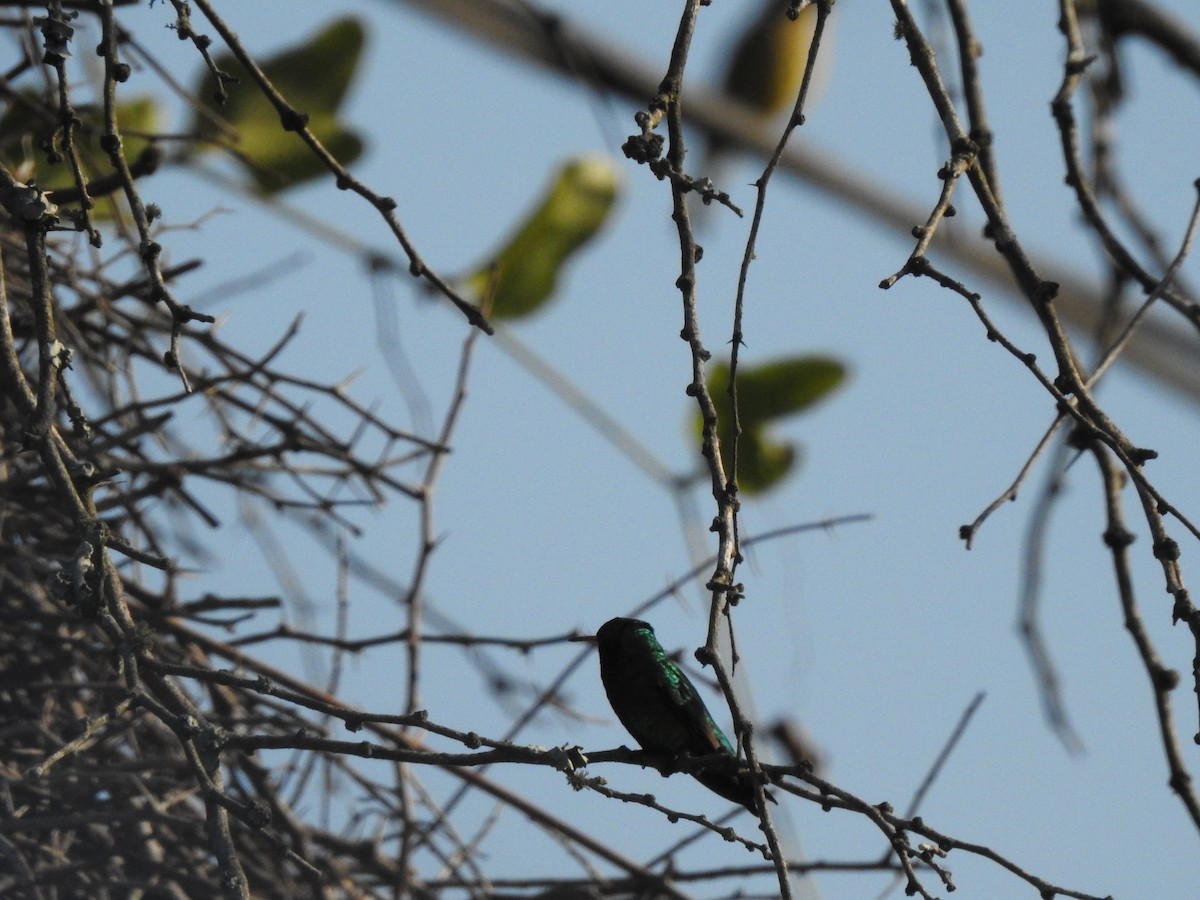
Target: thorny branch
<point>1071,387</point>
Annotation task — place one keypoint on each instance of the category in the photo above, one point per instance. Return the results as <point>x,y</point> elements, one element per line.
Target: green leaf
<point>24,134</point>
<point>762,462</point>
<point>523,275</point>
<point>314,78</point>
<point>766,393</point>
<point>777,389</point>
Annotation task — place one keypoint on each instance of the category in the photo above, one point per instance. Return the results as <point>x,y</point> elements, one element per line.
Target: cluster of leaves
<point>232,115</point>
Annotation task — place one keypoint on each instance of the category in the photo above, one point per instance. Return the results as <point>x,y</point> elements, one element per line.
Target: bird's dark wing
<point>709,738</point>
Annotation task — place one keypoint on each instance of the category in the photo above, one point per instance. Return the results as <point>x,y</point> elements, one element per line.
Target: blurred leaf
<point>314,78</point>
<point>776,389</point>
<point>522,276</point>
<point>766,393</point>
<point>762,462</point>
<point>24,134</point>
<point>765,68</point>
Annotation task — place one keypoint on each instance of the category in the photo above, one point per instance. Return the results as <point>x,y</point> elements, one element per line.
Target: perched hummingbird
<point>660,707</point>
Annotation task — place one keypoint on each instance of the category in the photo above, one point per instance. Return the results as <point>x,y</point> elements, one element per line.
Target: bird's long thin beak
<point>583,638</point>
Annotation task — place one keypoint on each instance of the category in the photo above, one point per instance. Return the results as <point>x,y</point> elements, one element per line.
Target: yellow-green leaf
<point>313,78</point>
<point>776,389</point>
<point>767,392</point>
<point>762,462</point>
<point>522,276</point>
<point>24,135</point>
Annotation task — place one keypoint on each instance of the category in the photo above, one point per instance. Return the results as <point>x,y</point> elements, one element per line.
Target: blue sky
<point>875,635</point>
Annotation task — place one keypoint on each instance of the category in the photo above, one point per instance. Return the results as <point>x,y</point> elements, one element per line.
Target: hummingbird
<point>660,707</point>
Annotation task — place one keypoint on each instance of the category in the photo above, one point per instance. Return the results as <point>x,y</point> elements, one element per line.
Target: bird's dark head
<point>619,635</point>
<point>615,632</point>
